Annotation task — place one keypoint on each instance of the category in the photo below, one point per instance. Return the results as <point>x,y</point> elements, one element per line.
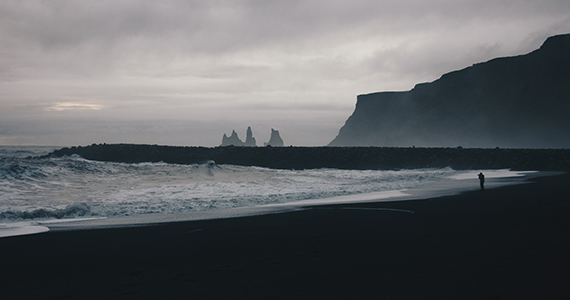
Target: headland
<point>378,158</point>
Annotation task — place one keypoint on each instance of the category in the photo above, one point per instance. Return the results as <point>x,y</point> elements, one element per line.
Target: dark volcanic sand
<point>507,243</point>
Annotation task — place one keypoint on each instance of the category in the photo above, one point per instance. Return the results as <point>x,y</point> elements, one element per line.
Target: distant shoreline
<point>360,158</point>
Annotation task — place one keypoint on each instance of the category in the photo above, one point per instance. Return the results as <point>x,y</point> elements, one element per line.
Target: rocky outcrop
<point>275,140</point>
<point>250,140</point>
<point>372,158</point>
<point>516,102</point>
<point>233,140</point>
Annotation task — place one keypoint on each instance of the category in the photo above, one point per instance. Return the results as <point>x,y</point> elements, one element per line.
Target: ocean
<point>43,189</point>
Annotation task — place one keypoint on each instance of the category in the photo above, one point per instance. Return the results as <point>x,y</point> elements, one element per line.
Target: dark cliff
<point>520,102</point>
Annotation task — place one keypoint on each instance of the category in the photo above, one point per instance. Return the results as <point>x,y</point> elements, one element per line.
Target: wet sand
<point>505,243</point>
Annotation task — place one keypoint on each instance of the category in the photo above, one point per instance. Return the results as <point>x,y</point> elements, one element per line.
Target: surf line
<point>374,208</point>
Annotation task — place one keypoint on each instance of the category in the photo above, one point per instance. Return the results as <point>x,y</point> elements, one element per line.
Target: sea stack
<point>275,140</point>
<point>249,140</point>
<point>233,140</point>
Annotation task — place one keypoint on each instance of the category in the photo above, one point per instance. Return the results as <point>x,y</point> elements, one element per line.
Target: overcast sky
<point>186,72</point>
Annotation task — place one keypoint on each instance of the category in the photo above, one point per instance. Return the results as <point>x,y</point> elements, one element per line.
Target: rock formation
<point>519,102</point>
<point>275,140</point>
<point>233,140</point>
<point>352,158</point>
<point>250,140</point>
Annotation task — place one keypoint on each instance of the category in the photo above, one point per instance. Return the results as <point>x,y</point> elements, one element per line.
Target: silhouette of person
<point>481,180</point>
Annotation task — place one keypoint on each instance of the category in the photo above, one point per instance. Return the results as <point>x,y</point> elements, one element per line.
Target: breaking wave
<point>71,211</point>
<point>71,187</point>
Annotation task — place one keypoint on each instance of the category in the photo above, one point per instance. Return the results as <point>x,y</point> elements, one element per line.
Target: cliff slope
<point>519,102</point>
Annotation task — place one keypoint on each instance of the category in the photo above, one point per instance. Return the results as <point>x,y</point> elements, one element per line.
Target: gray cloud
<point>218,65</point>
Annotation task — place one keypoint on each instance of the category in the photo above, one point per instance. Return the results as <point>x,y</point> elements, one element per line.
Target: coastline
<point>496,178</point>
<point>509,242</point>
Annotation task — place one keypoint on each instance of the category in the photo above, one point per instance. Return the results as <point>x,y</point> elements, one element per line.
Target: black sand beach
<point>505,243</point>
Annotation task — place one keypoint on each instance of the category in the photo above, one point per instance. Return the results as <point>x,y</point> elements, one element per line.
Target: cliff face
<point>521,101</point>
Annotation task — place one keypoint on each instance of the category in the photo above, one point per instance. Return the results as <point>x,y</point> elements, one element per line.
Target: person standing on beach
<point>481,180</point>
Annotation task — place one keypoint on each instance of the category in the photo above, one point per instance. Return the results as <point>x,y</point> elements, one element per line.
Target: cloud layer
<point>185,72</point>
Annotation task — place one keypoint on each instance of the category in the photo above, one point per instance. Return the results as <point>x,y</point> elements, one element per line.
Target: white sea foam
<point>33,189</point>
<point>20,228</point>
<point>33,227</point>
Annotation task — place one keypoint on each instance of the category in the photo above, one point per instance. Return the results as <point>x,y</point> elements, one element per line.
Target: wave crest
<point>71,210</point>
<point>20,172</point>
